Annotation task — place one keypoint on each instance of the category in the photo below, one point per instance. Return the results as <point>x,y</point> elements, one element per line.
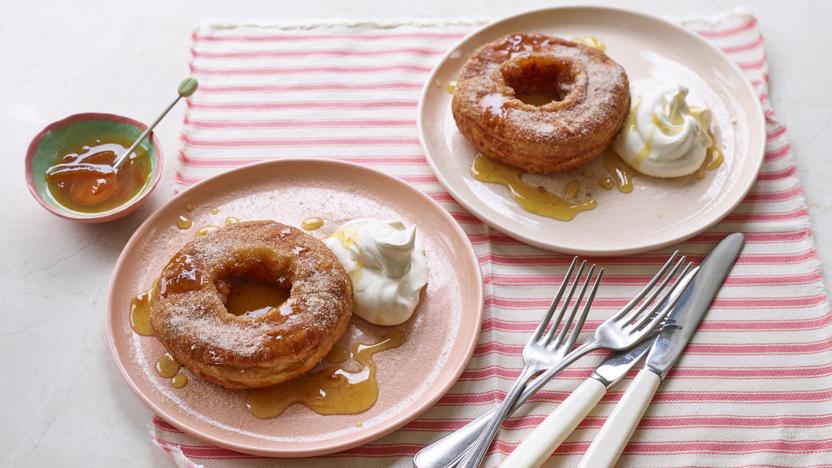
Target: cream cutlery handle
<point>613,437</point>
<point>536,448</point>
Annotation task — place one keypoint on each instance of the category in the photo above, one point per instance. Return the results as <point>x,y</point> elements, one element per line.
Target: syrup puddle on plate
<point>140,313</point>
<point>183,222</point>
<point>538,200</point>
<point>533,199</point>
<point>179,381</point>
<point>714,157</point>
<point>333,389</point>
<point>311,224</point>
<point>620,173</point>
<point>207,229</point>
<point>166,366</point>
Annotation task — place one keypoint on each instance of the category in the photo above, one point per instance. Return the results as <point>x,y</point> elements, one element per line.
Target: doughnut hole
<point>253,283</point>
<point>539,79</point>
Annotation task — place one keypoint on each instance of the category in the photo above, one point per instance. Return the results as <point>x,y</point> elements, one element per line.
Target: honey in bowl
<point>84,136</point>
<point>84,179</point>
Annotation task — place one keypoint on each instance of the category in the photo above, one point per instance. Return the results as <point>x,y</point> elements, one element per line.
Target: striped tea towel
<point>753,388</point>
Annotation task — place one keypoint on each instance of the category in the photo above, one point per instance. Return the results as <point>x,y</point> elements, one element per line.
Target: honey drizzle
<point>619,171</point>
<point>532,199</point>
<point>186,277</point>
<point>331,390</point>
<point>346,236</point>
<point>572,189</point>
<point>591,41</point>
<point>714,156</point>
<point>167,366</point>
<point>140,313</point>
<point>645,150</point>
<point>204,230</point>
<point>311,224</point>
<point>183,222</point>
<point>713,160</point>
<point>338,354</point>
<point>178,381</point>
<point>630,121</point>
<point>606,183</point>
<point>254,298</point>
<point>536,99</point>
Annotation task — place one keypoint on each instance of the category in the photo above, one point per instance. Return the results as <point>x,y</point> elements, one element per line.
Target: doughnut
<point>189,316</point>
<point>591,100</point>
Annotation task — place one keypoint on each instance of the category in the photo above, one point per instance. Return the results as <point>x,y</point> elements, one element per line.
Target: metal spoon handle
<point>123,156</point>
<point>186,88</point>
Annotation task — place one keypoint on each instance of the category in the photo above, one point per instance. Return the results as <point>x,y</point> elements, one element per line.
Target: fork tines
<point>656,287</point>
<point>555,341</point>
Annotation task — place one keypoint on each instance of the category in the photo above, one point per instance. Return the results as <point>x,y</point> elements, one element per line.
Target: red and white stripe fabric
<point>754,388</point>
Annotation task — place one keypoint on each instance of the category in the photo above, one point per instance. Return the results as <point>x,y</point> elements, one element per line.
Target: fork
<point>623,330</point>
<point>544,349</point>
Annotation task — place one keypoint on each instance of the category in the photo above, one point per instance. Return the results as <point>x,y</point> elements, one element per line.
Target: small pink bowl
<point>47,145</point>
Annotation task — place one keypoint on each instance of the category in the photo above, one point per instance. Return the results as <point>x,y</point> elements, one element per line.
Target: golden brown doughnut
<point>189,316</point>
<point>591,100</point>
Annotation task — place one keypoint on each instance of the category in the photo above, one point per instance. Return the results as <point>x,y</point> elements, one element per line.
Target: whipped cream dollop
<point>662,136</point>
<point>387,266</point>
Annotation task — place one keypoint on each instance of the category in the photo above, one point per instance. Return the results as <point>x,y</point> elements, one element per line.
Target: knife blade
<point>692,306</point>
<point>666,350</point>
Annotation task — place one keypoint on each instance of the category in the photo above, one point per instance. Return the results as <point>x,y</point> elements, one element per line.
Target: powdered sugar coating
<point>591,90</point>
<point>190,318</point>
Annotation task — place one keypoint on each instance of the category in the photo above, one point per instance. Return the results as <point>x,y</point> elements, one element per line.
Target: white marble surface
<point>62,400</point>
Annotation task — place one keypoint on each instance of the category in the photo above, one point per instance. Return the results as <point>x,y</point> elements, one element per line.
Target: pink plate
<point>658,212</point>
<point>440,337</point>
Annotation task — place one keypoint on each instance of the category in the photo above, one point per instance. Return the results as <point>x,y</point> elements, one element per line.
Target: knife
<point>537,446</point>
<point>668,346</point>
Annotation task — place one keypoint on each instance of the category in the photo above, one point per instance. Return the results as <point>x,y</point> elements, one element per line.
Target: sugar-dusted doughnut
<point>591,100</point>
<point>189,316</point>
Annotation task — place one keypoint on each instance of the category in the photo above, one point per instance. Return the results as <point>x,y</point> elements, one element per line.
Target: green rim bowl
<point>48,145</point>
